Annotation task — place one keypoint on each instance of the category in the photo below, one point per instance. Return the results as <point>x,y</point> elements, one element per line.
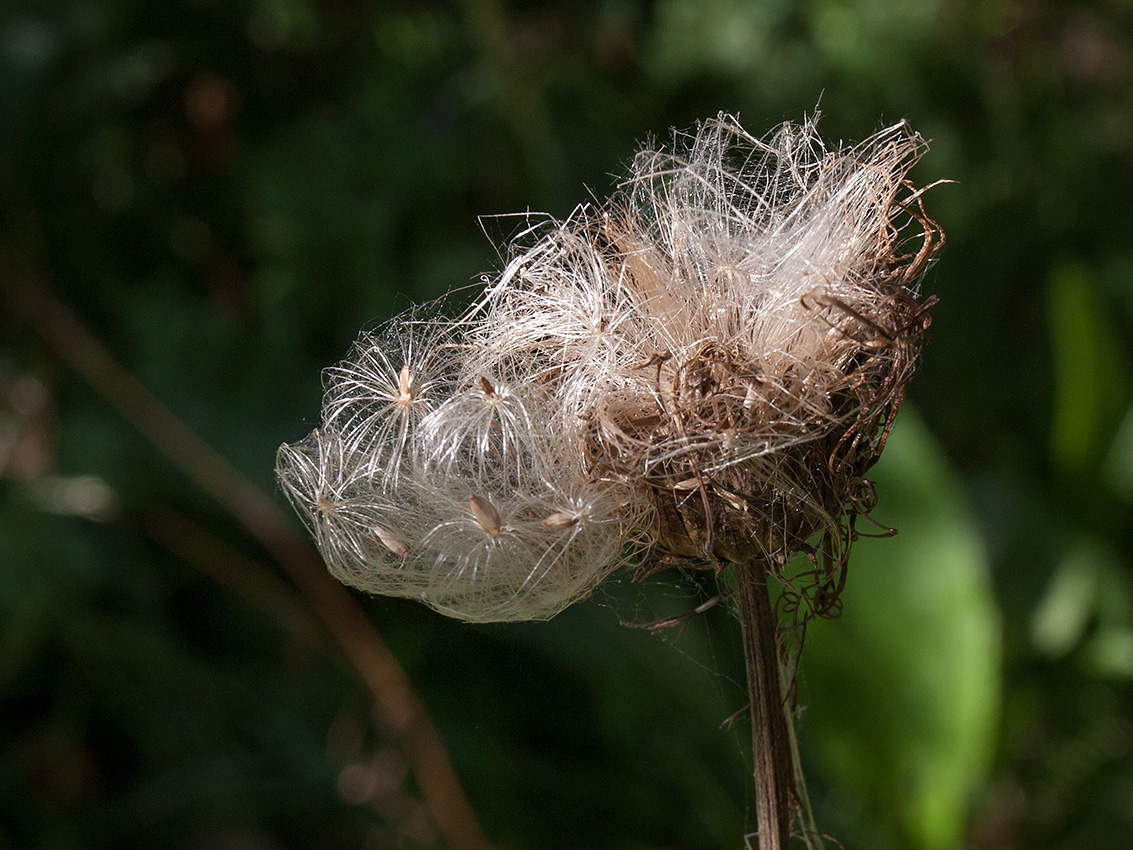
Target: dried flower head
<point>704,366</point>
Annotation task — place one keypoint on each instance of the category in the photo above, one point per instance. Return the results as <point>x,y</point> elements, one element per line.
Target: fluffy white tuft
<point>705,363</point>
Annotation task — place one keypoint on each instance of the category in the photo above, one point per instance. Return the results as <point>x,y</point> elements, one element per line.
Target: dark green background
<point>226,193</point>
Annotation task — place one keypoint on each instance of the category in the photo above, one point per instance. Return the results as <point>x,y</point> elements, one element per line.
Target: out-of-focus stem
<point>397,703</point>
<point>770,739</point>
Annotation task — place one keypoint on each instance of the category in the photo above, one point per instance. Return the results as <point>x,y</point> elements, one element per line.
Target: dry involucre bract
<point>704,366</point>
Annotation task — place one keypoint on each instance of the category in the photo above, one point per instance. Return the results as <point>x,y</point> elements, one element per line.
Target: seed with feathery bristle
<point>405,385</point>
<point>723,342</point>
<point>560,521</point>
<point>398,547</point>
<point>486,514</point>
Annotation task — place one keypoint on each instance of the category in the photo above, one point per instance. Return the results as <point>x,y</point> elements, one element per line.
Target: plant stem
<point>397,703</point>
<point>771,744</point>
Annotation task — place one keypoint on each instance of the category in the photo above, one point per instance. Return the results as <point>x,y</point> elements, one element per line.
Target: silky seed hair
<point>703,366</point>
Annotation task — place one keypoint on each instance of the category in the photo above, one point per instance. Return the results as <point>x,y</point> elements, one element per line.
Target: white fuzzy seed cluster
<point>674,344</point>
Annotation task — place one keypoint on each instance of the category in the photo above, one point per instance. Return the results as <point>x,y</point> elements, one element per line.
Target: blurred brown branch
<point>235,571</point>
<point>398,705</point>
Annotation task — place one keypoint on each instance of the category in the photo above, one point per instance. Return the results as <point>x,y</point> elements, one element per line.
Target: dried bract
<point>704,365</point>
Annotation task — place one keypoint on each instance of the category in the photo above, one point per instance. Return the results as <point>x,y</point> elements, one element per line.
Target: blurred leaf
<point>902,693</point>
<point>1062,616</point>
<point>1090,370</point>
<point>1119,462</point>
<point>1110,652</point>
<point>1089,587</point>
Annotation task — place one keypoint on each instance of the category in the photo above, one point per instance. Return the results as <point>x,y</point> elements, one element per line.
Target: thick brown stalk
<point>770,740</point>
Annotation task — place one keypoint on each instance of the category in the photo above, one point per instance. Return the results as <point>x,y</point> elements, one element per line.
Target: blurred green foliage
<point>226,192</point>
<point>903,690</point>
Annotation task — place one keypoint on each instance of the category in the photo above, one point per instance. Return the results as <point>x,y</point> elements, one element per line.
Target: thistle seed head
<point>705,365</point>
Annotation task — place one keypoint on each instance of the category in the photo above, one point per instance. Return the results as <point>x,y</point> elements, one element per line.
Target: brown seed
<point>405,383</point>
<point>486,386</point>
<point>561,520</point>
<point>486,514</point>
<point>398,547</point>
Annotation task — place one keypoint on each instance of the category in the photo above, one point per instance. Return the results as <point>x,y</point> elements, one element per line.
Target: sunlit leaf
<point>1090,379</point>
<point>1062,616</point>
